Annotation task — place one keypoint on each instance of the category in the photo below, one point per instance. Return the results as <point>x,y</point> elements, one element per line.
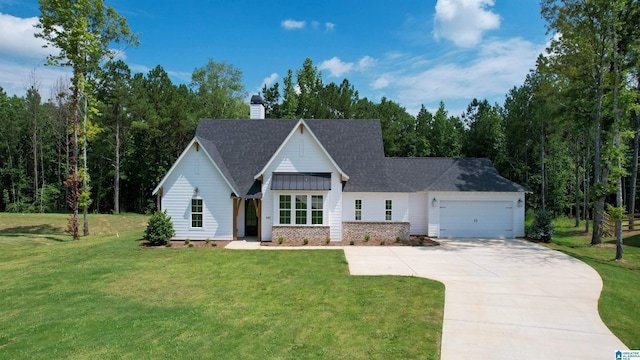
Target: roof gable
<point>301,125</point>
<point>196,142</point>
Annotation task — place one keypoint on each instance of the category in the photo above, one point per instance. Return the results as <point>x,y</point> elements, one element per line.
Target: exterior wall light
<point>520,202</point>
<point>434,202</point>
<point>195,192</point>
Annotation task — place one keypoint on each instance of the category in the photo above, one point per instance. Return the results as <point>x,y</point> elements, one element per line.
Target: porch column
<point>236,209</point>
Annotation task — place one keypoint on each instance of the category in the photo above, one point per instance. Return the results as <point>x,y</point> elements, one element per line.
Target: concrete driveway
<point>504,299</point>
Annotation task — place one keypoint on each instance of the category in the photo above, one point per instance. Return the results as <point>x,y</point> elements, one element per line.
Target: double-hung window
<point>388,206</point>
<point>316,209</point>
<point>285,209</point>
<point>196,213</point>
<point>358,210</point>
<point>301,209</point>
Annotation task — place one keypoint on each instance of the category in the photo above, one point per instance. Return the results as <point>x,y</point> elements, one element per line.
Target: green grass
<point>618,303</point>
<point>106,297</point>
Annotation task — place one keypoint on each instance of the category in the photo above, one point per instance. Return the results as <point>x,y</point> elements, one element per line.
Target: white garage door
<point>486,219</point>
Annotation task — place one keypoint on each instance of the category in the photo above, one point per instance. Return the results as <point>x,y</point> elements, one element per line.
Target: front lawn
<point>107,297</point>
<point>618,304</point>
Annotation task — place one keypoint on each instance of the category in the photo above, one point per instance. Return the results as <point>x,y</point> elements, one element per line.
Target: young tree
<point>219,91</point>
<point>82,31</point>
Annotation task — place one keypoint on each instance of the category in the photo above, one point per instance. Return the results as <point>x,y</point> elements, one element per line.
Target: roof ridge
<point>435,181</point>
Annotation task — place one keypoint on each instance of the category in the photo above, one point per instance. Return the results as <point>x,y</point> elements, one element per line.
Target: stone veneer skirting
<point>377,231</point>
<point>296,234</point>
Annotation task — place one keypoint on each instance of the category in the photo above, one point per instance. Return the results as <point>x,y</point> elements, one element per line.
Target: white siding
<point>195,170</point>
<point>418,212</point>
<point>477,197</point>
<point>373,206</point>
<point>302,154</point>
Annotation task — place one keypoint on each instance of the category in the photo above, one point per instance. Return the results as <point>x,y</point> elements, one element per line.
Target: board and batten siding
<point>433,214</point>
<point>374,206</point>
<point>195,170</point>
<point>301,153</point>
<point>418,213</point>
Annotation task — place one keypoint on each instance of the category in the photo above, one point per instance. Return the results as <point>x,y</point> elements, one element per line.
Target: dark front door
<point>251,219</point>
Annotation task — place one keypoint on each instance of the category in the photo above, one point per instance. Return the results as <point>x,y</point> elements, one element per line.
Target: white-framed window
<point>196,213</point>
<point>358,209</point>
<point>388,208</point>
<point>317,213</point>
<point>285,209</point>
<point>301,209</point>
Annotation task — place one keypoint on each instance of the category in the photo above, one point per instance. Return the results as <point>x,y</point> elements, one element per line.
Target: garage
<point>486,219</point>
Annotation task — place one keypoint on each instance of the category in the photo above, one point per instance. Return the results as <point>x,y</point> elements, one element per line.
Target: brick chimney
<point>257,108</point>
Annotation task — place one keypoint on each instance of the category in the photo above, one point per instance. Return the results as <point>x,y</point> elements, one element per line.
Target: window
<point>285,209</point>
<point>308,209</point>
<point>196,213</point>
<point>316,209</point>
<point>358,209</point>
<point>301,209</point>
<point>388,210</point>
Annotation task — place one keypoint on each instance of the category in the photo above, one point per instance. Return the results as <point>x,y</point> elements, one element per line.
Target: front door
<point>251,218</point>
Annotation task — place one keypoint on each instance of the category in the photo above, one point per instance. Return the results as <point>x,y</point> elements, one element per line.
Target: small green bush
<point>207,241</point>
<point>280,240</point>
<point>187,241</point>
<point>382,243</point>
<point>421,240</point>
<point>190,245</point>
<point>160,229</point>
<point>214,244</point>
<point>367,238</point>
<point>397,239</point>
<point>305,241</point>
<point>327,240</point>
<point>351,242</point>
<point>542,229</point>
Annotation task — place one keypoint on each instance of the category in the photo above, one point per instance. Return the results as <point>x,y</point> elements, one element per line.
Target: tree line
<point>570,132</point>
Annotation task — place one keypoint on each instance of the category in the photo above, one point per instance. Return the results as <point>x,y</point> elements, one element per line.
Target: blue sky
<point>412,52</point>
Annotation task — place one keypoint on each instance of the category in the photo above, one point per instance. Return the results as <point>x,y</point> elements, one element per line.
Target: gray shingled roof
<point>241,149</point>
<point>450,174</point>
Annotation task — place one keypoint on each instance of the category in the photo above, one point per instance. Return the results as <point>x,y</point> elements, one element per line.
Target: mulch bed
<point>180,244</point>
<point>413,241</point>
<point>220,244</point>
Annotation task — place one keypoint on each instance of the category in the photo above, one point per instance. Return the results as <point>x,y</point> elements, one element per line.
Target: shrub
<point>214,244</point>
<point>207,241</point>
<point>382,243</point>
<point>397,239</point>
<point>367,238</point>
<point>542,229</point>
<point>351,242</point>
<point>305,241</point>
<point>160,229</point>
<point>280,240</point>
<point>327,240</point>
<point>190,245</point>
<point>187,241</point>
<point>421,240</point>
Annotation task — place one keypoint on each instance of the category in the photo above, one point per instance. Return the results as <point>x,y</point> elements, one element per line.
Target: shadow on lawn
<point>44,229</point>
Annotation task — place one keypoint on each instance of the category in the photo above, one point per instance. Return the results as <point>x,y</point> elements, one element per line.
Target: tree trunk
<point>34,141</point>
<point>543,177</point>
<point>84,166</point>
<point>72,180</point>
<point>599,178</point>
<point>616,140</point>
<point>577,185</point>
<point>631,203</point>
<point>116,175</point>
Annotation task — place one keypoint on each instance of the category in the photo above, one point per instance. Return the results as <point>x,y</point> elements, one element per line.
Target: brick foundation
<point>296,234</point>
<point>377,231</point>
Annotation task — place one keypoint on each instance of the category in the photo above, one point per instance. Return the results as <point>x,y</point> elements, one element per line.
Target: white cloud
<point>366,63</point>
<point>291,24</point>
<point>337,67</point>
<point>268,81</point>
<point>464,21</point>
<point>329,26</point>
<point>17,38</point>
<point>380,83</point>
<point>498,66</point>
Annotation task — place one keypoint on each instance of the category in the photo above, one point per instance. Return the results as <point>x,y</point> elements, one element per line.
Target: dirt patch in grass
<point>413,241</point>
